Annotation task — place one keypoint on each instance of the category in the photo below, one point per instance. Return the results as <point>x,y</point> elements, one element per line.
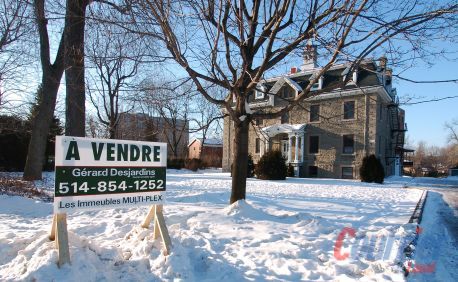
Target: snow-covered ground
<point>284,231</point>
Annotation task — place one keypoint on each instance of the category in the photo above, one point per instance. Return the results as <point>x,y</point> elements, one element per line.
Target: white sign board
<point>106,173</point>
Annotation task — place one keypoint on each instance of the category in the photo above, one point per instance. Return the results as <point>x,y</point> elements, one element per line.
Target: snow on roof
<point>283,128</point>
<point>211,142</point>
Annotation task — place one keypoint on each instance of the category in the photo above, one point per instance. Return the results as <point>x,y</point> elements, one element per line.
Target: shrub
<point>272,166</point>
<point>290,170</point>
<point>193,164</point>
<point>175,163</point>
<point>250,167</point>
<point>433,173</point>
<point>372,170</point>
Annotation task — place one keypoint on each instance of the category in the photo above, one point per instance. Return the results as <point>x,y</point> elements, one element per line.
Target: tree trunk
<point>41,125</point>
<point>50,81</point>
<point>240,161</point>
<point>74,74</point>
<point>112,130</point>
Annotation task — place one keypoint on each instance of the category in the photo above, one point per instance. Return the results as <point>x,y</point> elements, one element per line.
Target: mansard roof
<point>368,75</point>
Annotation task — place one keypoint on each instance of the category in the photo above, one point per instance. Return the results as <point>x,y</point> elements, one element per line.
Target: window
<point>286,92</point>
<point>314,113</point>
<point>285,118</point>
<point>258,146</point>
<point>260,91</point>
<point>354,76</point>
<point>381,111</point>
<point>349,110</point>
<point>314,146</point>
<point>318,85</point>
<point>313,171</point>
<point>347,172</point>
<point>348,144</point>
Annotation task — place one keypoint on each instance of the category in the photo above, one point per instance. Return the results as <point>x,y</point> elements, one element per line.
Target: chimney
<point>310,57</point>
<point>293,70</point>
<point>382,62</point>
<point>388,76</point>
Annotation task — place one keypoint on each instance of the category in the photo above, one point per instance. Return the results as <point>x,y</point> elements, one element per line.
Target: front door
<point>285,148</point>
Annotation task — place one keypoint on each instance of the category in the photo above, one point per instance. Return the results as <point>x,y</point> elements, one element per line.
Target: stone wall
<point>370,126</point>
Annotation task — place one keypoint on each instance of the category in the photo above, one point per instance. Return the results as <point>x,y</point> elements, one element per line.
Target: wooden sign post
<point>102,174</point>
<point>155,213</point>
<point>59,234</point>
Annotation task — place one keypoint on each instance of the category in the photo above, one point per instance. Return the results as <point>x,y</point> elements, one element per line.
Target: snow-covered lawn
<point>285,230</point>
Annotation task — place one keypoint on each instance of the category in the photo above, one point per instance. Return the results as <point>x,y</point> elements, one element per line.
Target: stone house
<point>143,127</point>
<point>330,132</point>
<point>210,151</point>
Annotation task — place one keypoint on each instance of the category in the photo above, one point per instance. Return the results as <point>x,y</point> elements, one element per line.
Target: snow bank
<point>285,230</point>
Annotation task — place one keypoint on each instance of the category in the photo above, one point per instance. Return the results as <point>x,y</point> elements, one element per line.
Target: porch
<point>289,139</point>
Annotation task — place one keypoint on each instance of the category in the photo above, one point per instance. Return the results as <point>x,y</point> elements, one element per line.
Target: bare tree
<point>205,117</point>
<point>115,57</point>
<point>170,102</point>
<point>50,81</point>
<point>95,129</point>
<point>69,57</point>
<point>15,27</point>
<point>234,44</point>
<point>452,128</point>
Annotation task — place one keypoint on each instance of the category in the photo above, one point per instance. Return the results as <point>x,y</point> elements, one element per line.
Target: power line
<point>430,100</point>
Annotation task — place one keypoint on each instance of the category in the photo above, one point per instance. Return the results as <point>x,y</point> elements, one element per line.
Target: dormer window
<point>354,75</point>
<point>259,93</point>
<point>318,85</point>
<point>287,93</point>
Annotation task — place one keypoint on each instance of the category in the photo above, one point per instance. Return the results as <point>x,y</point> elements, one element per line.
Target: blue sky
<point>426,121</point>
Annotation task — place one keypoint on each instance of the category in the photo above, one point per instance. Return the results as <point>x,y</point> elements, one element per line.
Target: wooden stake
<point>52,236</point>
<point>149,217</point>
<point>62,238</point>
<point>160,229</point>
<point>156,233</point>
<point>159,224</point>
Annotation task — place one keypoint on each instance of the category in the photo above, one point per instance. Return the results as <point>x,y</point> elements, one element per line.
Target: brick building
<point>330,132</point>
<point>210,151</point>
<point>142,127</point>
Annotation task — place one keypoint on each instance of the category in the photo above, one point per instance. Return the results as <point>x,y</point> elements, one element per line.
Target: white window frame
<point>354,77</point>
<point>260,94</point>
<point>318,85</point>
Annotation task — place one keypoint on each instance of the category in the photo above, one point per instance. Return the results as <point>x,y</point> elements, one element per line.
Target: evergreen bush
<point>250,167</point>
<point>372,170</point>
<point>290,170</point>
<point>175,163</point>
<point>193,164</point>
<point>272,166</point>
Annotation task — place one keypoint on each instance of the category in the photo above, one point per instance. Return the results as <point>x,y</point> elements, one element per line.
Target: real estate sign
<point>105,173</point>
